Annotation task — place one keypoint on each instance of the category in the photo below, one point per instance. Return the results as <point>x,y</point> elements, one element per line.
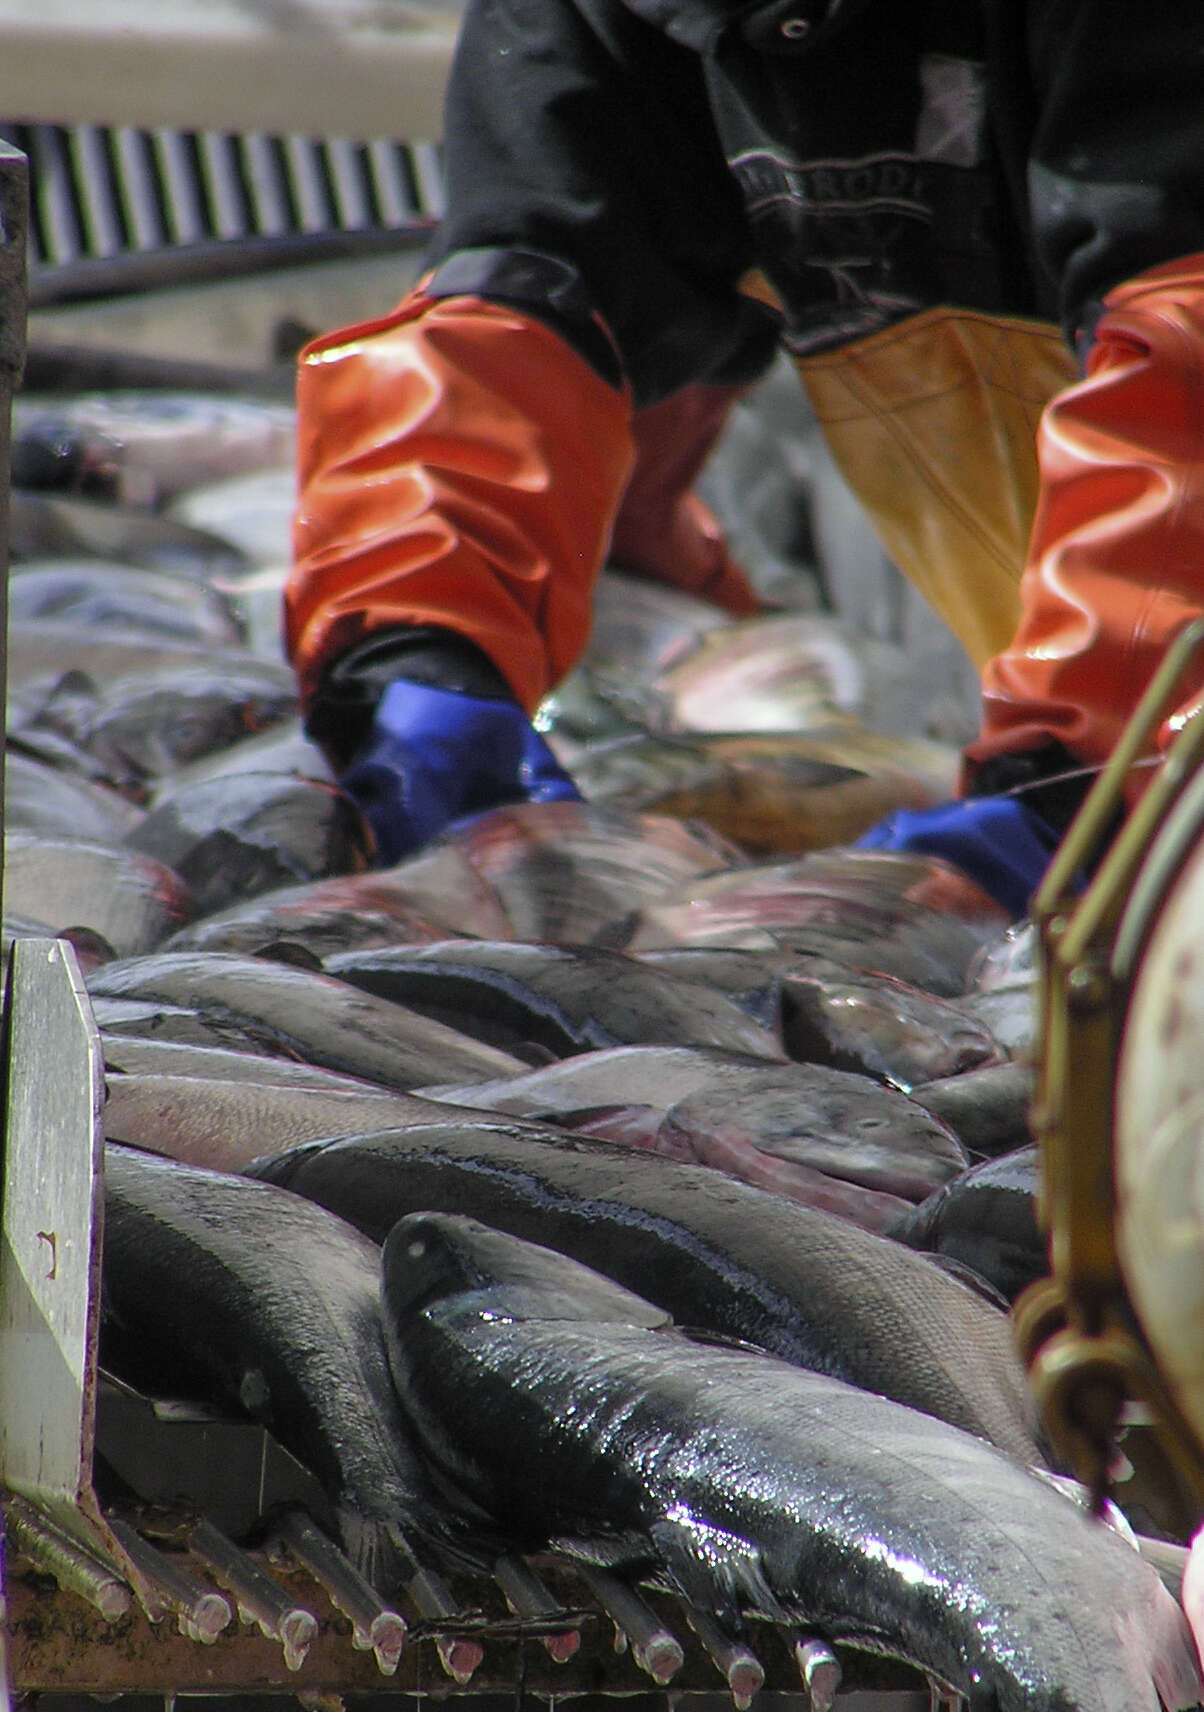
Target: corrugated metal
<point>98,193</point>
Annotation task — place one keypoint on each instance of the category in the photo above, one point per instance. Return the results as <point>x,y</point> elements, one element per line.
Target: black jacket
<point>634,160</point>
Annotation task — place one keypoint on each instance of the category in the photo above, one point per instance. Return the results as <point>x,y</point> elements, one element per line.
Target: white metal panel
<point>51,1216</point>
<point>372,68</point>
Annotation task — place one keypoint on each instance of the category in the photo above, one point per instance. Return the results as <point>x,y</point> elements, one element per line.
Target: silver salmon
<point>239,1293</point>
<point>566,999</point>
<point>237,836</point>
<point>736,1260</point>
<point>304,1015</point>
<point>897,914</point>
<point>751,1488</point>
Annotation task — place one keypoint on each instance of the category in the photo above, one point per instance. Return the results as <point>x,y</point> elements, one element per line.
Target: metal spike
<point>653,1648</point>
<point>72,1567</point>
<point>739,1667</point>
<point>820,1670</point>
<point>373,1624</point>
<point>458,1654</point>
<point>260,1600</point>
<point>201,1613</point>
<point>527,1597</point>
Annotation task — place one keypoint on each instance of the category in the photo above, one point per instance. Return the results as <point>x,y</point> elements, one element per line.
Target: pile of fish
<point>640,1183</point>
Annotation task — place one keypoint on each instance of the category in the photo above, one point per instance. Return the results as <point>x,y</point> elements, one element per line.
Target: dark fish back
<point>745,1485</point>
<point>715,1253</point>
<point>308,1015</point>
<point>987,1219</point>
<point>565,999</point>
<point>253,1298</point>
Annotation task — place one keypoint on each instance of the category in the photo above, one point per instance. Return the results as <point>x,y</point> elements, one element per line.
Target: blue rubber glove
<point>433,755</point>
<point>1001,844</point>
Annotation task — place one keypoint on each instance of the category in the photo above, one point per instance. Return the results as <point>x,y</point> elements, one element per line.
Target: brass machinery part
<point>1086,1356</point>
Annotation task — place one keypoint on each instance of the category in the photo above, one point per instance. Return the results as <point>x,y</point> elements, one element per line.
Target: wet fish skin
<point>225,1124</point>
<point>565,999</point>
<point>986,1219</point>
<point>138,1055</point>
<point>43,799</point>
<point>829,1120</point>
<point>568,873</point>
<point>236,836</point>
<point>251,510</point>
<point>295,1012</point>
<point>882,911</point>
<point>780,672</point>
<point>139,446</point>
<point>639,628</point>
<point>157,1022</point>
<point>768,791</point>
<point>324,916</point>
<point>650,1075</point>
<point>92,593</point>
<point>824,1137</point>
<point>577,719</point>
<point>747,1485</point>
<point>426,898</point>
<point>241,1294</point>
<point>42,651</point>
<point>532,872</point>
<point>144,730</point>
<point>138,728</point>
<point>716,1253</point>
<point>43,525</point>
<point>749,978</point>
<point>1003,988</point>
<point>880,1027</point>
<point>132,900</point>
<point>988,1109</point>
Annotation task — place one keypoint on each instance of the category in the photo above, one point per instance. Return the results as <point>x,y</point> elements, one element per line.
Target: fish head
<point>449,1262</point>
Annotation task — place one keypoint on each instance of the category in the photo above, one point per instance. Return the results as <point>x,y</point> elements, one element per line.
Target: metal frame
<point>1086,1357</point>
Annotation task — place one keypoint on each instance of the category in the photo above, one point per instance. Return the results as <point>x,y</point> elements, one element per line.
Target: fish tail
<point>717,1571</point>
<point>378,1549</point>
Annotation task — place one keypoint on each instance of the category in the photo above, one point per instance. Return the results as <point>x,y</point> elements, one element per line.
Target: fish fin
<point>716,1340</point>
<point>376,1548</point>
<point>717,1570</point>
<point>281,1167</point>
<point>389,1555</point>
<point>291,953</point>
<point>973,1280</point>
<point>1174,1661</point>
<point>605,1551</point>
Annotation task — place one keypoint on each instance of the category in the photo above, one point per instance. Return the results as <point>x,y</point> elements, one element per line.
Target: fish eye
<point>417,1249</point>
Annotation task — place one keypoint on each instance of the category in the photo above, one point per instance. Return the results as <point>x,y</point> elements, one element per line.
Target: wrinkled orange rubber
<point>1116,560</point>
<point>664,530</point>
<point>459,465</point>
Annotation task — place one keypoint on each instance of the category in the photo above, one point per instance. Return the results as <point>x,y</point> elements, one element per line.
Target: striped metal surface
<point>101,193</point>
